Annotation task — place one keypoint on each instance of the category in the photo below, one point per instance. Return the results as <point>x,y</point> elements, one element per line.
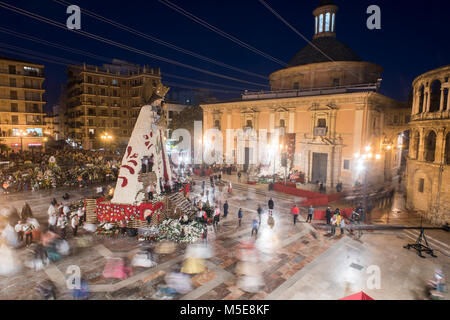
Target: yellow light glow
<point>370,155</point>
<point>364,156</point>
<point>368,148</point>
<point>378,156</point>
<point>357,155</point>
<point>389,147</point>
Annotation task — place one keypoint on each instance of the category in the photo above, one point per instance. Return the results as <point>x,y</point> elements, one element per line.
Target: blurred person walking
<point>295,212</point>
<point>240,216</point>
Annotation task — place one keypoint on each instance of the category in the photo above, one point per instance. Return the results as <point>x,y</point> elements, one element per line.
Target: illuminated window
<point>327,22</point>
<point>316,25</point>
<point>346,164</point>
<point>321,23</point>
<point>332,23</point>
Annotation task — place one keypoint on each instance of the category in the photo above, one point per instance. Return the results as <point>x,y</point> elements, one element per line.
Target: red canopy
<point>358,296</point>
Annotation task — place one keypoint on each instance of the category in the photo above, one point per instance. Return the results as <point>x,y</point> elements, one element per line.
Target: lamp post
<point>363,162</point>
<point>106,137</point>
<point>21,135</point>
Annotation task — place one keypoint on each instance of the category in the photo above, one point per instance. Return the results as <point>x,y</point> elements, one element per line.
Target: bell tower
<point>325,19</point>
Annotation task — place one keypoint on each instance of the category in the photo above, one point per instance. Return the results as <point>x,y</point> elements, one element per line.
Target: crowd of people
<point>67,167</point>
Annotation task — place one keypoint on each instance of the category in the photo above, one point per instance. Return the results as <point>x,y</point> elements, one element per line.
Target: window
<point>332,23</point>
<point>282,123</point>
<point>327,22</point>
<point>336,82</point>
<point>421,185</point>
<point>15,119</point>
<point>12,69</point>
<point>14,107</point>
<point>296,85</point>
<point>321,23</point>
<point>346,164</point>
<point>249,124</point>
<point>322,123</point>
<point>89,79</point>
<point>91,123</point>
<point>103,91</point>
<point>114,82</point>
<point>12,82</point>
<point>89,90</point>
<point>13,95</point>
<point>316,25</point>
<point>395,119</point>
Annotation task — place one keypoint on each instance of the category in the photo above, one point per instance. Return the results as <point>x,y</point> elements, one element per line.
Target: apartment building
<point>105,101</point>
<point>21,104</point>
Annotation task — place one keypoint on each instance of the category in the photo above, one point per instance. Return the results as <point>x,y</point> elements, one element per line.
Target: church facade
<point>327,108</point>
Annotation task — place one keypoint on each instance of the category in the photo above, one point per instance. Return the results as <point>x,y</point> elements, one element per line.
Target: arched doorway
<point>435,96</point>
<point>430,146</point>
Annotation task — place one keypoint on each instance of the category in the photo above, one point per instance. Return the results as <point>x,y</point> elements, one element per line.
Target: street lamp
<point>106,137</point>
<point>363,162</point>
<point>22,134</point>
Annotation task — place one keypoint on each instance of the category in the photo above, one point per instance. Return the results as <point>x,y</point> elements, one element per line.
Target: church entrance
<point>319,167</point>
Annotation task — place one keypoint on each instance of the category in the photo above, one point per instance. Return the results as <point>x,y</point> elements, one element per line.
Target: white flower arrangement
<point>172,230</point>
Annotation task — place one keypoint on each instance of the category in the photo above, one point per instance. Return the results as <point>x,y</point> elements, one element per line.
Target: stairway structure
<point>178,205</point>
<point>91,211</point>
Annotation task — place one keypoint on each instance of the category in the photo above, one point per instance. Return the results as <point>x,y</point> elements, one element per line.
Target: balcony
<point>370,87</point>
<point>320,131</point>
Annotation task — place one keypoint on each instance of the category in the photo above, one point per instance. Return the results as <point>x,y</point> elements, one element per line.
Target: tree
<point>185,119</point>
<point>4,148</point>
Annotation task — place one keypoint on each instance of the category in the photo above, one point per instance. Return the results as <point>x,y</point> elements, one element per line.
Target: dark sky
<point>413,38</point>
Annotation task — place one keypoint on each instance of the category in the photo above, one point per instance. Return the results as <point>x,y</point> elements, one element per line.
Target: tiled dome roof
<point>332,47</point>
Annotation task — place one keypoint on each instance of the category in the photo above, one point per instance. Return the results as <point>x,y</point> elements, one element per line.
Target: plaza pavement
<point>300,262</point>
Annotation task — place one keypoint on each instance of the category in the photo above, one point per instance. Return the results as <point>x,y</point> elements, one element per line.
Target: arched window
<point>430,147</point>
<point>435,96</point>
<point>421,98</point>
<point>445,98</point>
<point>447,149</point>
<point>327,22</point>
<point>321,23</point>
<point>415,145</point>
<point>249,124</point>
<point>332,23</point>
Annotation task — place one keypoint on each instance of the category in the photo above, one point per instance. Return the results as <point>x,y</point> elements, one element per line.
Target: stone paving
<point>297,262</point>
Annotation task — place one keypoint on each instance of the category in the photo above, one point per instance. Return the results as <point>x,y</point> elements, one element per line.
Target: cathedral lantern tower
<point>325,19</point>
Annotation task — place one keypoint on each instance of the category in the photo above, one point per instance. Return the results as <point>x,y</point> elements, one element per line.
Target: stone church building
<point>428,166</point>
<point>328,109</point>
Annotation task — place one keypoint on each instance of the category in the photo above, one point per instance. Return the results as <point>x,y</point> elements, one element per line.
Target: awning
<point>358,296</point>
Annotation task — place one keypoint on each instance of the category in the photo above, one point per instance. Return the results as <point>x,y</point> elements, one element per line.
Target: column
<point>441,106</point>
<point>448,99</point>
<point>421,155</point>
<point>427,100</point>
<point>439,152</point>
<point>291,122</point>
<point>271,121</point>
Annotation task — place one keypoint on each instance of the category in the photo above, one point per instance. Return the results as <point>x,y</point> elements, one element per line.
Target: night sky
<point>413,38</point>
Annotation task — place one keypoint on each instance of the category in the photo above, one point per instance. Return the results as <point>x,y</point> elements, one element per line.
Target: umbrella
<point>358,296</point>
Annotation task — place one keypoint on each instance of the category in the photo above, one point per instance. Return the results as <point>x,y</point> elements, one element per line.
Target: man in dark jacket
<point>328,215</point>
<point>271,205</point>
<point>225,209</point>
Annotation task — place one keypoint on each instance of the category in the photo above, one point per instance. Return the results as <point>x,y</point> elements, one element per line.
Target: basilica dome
<point>325,62</point>
<point>330,46</point>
